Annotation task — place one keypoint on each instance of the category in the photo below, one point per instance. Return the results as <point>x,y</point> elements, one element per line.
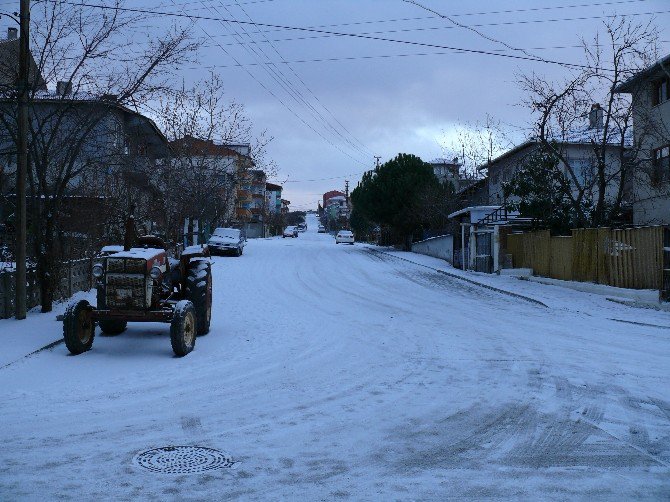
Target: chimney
<point>596,117</point>
<point>63,88</point>
<point>12,33</point>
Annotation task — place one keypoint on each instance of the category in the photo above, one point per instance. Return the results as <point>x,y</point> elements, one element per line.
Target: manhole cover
<point>183,459</point>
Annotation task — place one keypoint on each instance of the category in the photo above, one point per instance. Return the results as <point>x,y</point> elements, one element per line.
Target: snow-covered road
<point>336,371</point>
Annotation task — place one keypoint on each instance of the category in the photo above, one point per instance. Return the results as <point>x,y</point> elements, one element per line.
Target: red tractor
<point>142,284</point>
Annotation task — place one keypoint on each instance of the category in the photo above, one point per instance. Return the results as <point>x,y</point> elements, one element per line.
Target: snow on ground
<point>336,371</point>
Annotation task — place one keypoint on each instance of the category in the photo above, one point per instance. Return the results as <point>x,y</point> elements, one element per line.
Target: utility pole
<point>22,159</point>
<point>346,192</point>
<point>377,158</point>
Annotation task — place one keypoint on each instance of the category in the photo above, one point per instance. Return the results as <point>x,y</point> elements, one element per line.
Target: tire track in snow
<point>464,279</point>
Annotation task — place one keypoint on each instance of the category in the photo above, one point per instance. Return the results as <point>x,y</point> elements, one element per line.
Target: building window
<point>661,91</point>
<point>583,169</point>
<point>661,155</point>
<point>661,160</point>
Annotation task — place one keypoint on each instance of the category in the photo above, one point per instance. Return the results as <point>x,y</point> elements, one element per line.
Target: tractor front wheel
<point>78,327</point>
<point>183,328</point>
<point>199,292</point>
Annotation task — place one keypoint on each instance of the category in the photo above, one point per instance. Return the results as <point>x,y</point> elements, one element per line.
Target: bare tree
<point>475,145</point>
<point>73,133</point>
<point>598,190</point>
<point>205,169</point>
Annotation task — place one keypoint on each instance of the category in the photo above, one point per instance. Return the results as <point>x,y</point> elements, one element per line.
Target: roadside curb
<point>46,347</point>
<point>660,307</point>
<point>465,279</point>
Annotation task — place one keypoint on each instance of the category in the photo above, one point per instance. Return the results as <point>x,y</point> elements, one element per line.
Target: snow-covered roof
<point>588,135</point>
<point>580,136</point>
<point>86,98</point>
<point>629,85</point>
<point>441,161</point>
<point>473,209</point>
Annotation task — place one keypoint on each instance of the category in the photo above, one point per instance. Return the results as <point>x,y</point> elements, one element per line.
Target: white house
<point>577,147</point>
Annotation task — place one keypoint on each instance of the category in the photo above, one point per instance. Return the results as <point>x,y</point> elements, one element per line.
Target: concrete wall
<point>438,247</point>
<point>254,230</point>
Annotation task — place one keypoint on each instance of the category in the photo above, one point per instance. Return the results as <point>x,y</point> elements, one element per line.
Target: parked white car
<point>290,232</point>
<point>226,240</point>
<point>344,236</point>
<point>322,229</point>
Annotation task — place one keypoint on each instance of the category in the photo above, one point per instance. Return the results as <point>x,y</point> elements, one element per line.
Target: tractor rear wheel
<point>113,328</point>
<point>78,327</point>
<point>183,328</point>
<point>199,292</point>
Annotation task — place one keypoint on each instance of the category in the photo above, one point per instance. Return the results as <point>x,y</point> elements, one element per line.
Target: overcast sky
<point>367,97</point>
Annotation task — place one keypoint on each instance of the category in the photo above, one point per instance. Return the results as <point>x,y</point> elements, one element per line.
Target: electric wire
<point>469,26</point>
<point>468,14</point>
<point>279,78</point>
<point>316,98</point>
<point>373,56</point>
<point>318,116</point>
<point>269,91</point>
<point>340,34</point>
<point>328,179</point>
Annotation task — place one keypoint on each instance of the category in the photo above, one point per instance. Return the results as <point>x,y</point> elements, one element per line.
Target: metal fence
<point>75,276</point>
<point>626,258</point>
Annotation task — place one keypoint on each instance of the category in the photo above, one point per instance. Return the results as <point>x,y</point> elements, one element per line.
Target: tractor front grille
<point>127,265</point>
<point>116,265</point>
<point>126,291</point>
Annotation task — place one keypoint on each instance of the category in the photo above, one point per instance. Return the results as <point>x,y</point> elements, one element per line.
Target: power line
<point>326,179</point>
<point>469,26</point>
<point>339,34</point>
<point>374,56</point>
<point>468,14</point>
<point>293,112</point>
<point>236,3</point>
<point>309,90</point>
<point>278,76</point>
<point>319,116</point>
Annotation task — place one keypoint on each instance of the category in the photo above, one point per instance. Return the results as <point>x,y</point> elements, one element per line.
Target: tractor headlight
<point>97,271</point>
<point>155,273</point>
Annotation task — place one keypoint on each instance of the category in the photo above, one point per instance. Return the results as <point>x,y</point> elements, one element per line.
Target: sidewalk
<point>20,338</point>
<point>553,296</point>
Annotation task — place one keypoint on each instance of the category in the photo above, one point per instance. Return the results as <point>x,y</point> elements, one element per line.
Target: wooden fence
<point>75,276</point>
<point>626,258</point>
